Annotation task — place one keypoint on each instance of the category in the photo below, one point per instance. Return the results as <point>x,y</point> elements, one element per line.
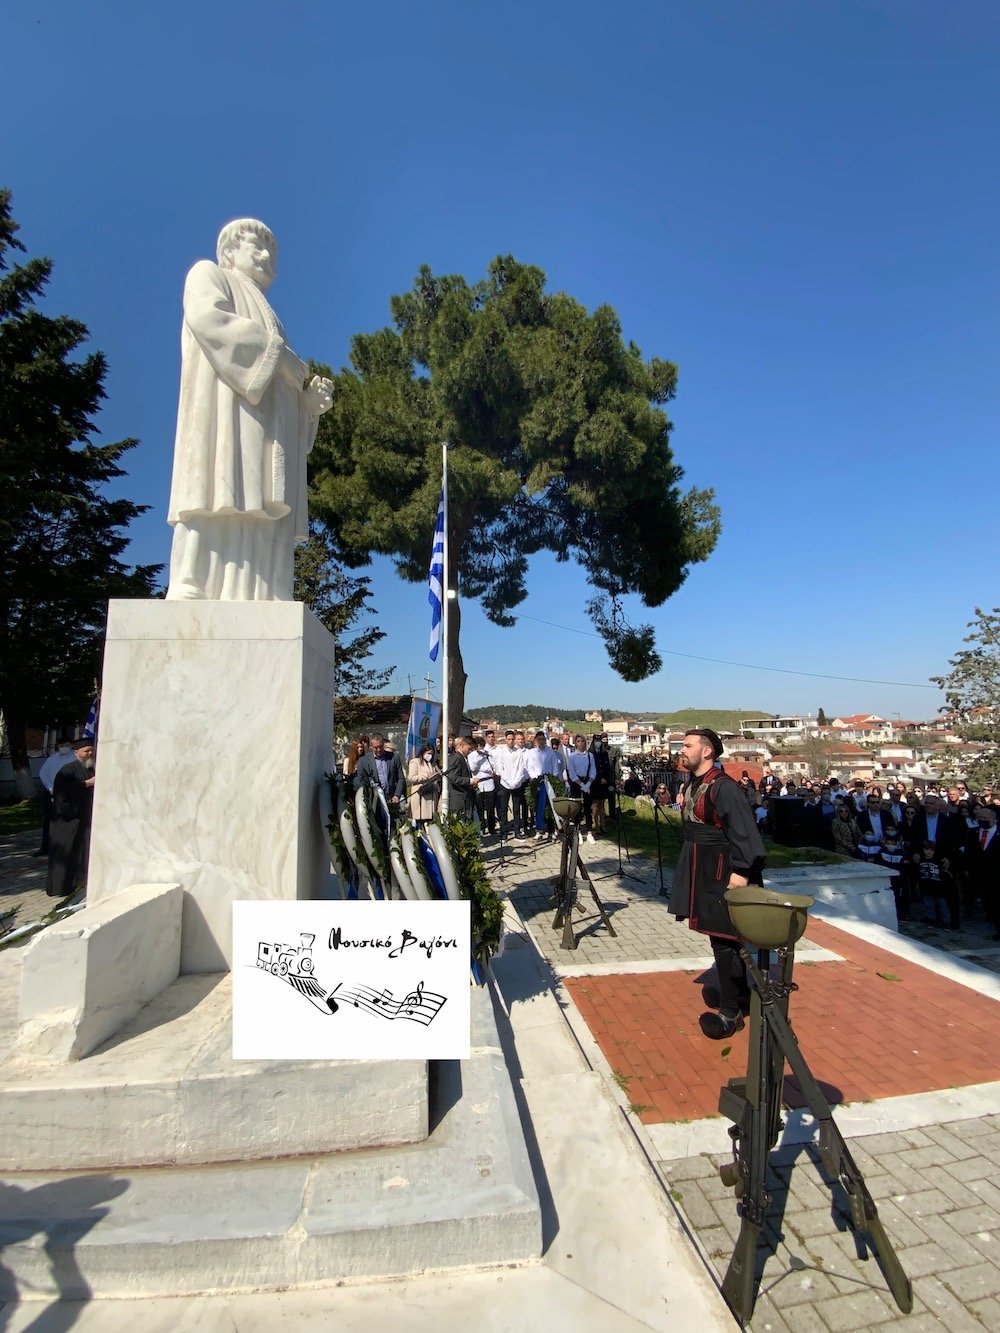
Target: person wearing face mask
<point>582,772</point>
<point>423,779</point>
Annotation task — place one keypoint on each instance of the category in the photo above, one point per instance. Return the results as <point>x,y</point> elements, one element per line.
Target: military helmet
<point>568,807</point>
<point>767,919</point>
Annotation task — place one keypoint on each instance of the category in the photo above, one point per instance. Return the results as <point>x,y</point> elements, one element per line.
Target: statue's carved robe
<point>243,433</point>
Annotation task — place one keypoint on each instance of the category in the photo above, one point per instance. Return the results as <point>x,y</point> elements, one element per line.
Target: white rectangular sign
<point>351,980</point>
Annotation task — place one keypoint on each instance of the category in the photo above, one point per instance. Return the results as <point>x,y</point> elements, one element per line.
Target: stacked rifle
<point>764,921</point>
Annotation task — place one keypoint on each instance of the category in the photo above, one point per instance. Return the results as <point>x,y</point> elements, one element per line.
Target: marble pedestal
<point>216,729</point>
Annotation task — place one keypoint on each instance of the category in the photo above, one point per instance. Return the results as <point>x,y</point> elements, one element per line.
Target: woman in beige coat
<point>423,778</point>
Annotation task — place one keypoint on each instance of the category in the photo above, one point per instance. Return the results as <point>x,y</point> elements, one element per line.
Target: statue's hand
<point>319,395</point>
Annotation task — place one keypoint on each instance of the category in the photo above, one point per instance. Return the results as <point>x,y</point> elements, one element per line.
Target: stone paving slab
<point>644,928</point>
<point>938,1198</point>
<point>22,878</point>
<point>934,1178</point>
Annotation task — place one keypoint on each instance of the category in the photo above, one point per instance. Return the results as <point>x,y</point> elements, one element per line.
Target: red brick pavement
<point>874,1025</point>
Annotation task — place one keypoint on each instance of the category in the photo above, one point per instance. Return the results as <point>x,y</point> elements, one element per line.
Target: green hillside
<point>721,719</point>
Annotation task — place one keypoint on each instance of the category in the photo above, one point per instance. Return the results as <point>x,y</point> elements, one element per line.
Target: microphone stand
<point>659,849</point>
<point>622,873</point>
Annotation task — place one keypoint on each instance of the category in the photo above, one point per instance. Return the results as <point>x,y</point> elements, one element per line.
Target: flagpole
<point>446,584</point>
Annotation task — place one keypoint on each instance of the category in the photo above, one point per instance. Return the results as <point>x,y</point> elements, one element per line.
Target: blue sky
<point>796,201</point>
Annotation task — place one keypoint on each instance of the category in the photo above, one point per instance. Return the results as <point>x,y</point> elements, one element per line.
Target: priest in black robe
<point>69,830</point>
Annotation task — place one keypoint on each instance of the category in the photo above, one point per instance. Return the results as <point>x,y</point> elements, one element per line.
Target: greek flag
<point>435,591</point>
<point>90,726</point>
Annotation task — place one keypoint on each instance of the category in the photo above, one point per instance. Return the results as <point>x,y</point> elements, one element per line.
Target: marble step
<point>465,1197</point>
<point>165,1090</point>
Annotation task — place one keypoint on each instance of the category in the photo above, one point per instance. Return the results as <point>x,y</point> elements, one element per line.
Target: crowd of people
<point>940,842</point>
<point>498,781</point>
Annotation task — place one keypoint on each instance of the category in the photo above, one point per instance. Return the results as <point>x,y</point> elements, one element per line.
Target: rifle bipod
<point>754,1106</point>
<point>570,866</point>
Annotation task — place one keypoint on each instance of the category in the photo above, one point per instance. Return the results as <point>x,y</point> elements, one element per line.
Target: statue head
<point>249,247</point>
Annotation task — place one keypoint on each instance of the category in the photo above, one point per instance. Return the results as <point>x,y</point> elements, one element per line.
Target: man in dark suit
<point>982,865</point>
<point>383,768</point>
<point>873,819</point>
<point>934,824</point>
<point>461,783</point>
<point>769,784</point>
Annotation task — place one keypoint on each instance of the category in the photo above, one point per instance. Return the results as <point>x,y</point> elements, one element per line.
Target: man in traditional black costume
<point>722,850</point>
<point>69,830</point>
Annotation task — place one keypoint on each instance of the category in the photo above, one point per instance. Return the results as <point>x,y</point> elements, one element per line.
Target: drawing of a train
<point>282,959</point>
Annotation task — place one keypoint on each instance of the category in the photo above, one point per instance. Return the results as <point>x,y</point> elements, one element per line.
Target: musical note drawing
<point>294,965</point>
<point>418,1006</point>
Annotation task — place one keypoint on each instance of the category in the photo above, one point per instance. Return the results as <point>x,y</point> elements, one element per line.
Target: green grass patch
<point>19,816</point>
<point>639,833</point>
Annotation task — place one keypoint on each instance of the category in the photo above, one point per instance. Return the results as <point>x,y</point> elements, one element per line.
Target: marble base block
<point>166,1091</point>
<point>852,890</point>
<point>216,729</point>
<point>86,976</point>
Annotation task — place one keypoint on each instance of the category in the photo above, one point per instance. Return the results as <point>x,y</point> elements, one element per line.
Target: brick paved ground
<point>872,1026</point>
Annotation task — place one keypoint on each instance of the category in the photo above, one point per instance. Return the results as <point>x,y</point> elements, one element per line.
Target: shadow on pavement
<point>62,1212</point>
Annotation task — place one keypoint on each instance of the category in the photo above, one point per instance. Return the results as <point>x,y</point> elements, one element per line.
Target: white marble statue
<point>245,424</point>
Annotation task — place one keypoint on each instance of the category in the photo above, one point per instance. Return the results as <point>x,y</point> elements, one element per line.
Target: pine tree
<point>558,441</point>
<point>339,600</point>
<point>61,537</point>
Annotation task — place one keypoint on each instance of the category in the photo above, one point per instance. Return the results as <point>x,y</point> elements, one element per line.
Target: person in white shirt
<point>513,777</point>
<point>486,792</point>
<point>541,762</point>
<point>582,772</point>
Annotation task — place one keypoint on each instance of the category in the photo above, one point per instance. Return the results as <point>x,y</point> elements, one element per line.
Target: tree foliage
<point>61,537</point>
<point>558,441</point>
<point>817,753</point>
<point>339,600</point>
<point>972,691</point>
